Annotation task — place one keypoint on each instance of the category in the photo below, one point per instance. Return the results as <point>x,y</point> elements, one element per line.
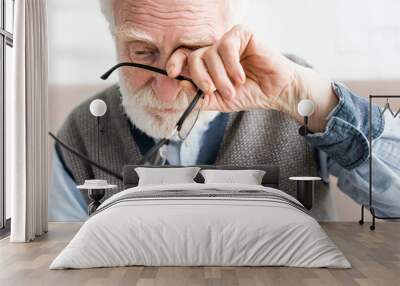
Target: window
<point>6,44</point>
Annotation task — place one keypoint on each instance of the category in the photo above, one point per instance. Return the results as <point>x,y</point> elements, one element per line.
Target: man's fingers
<point>229,51</point>
<point>176,62</point>
<point>199,73</point>
<point>216,69</point>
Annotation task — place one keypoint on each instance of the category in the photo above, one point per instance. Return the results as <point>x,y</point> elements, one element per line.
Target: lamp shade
<point>98,107</point>
<point>305,107</point>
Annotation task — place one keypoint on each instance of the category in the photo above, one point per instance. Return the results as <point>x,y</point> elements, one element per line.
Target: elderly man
<point>248,116</point>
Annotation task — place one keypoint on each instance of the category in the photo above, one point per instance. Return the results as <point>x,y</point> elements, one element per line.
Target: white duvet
<point>200,231</point>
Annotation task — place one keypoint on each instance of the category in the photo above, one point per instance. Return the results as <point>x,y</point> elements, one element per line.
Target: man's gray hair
<point>235,8</point>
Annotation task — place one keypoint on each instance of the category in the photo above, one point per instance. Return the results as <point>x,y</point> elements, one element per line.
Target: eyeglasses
<point>178,127</point>
<point>152,156</point>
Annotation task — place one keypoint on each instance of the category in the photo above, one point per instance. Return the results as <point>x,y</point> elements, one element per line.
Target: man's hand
<point>238,73</point>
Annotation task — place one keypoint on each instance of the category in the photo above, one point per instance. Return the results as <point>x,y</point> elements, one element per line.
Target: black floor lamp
<point>387,108</point>
<point>98,108</point>
<point>96,188</point>
<point>306,185</point>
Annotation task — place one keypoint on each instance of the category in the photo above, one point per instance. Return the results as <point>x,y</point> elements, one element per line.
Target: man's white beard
<point>160,126</point>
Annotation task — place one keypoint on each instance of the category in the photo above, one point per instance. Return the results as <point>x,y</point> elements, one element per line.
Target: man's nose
<point>166,89</point>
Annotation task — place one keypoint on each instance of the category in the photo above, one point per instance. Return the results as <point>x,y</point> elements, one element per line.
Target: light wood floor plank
<point>375,257</point>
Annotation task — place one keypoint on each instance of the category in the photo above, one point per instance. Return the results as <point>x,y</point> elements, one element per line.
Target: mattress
<point>201,225</point>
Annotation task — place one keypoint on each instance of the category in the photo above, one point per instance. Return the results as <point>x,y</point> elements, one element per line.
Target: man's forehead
<point>193,10</point>
<point>195,21</point>
<point>130,32</point>
<point>170,5</point>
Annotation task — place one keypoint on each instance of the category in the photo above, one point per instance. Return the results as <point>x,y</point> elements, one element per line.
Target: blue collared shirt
<point>343,152</point>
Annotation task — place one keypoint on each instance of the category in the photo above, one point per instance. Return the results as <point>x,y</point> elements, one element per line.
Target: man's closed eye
<point>142,55</point>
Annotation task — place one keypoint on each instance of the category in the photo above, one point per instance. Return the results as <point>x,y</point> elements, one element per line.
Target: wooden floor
<point>375,257</point>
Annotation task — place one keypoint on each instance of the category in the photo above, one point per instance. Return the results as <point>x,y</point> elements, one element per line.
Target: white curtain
<point>26,119</point>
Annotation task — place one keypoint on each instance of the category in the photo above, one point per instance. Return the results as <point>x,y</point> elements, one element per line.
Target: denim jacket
<point>343,151</point>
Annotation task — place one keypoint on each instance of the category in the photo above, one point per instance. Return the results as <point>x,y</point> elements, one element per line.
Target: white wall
<point>81,48</point>
<point>347,39</point>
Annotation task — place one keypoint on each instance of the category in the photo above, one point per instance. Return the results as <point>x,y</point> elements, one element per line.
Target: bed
<point>201,224</point>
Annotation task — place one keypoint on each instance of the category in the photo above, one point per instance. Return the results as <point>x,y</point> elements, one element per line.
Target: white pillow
<point>248,177</point>
<point>162,176</point>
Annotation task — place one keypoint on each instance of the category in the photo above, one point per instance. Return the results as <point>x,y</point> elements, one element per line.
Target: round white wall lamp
<point>98,108</point>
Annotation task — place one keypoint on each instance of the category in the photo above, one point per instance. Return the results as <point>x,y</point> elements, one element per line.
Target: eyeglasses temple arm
<point>141,66</point>
<point>189,109</point>
<point>153,150</point>
<point>85,158</point>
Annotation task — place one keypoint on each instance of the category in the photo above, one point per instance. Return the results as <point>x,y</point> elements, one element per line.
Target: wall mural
<point>168,89</point>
